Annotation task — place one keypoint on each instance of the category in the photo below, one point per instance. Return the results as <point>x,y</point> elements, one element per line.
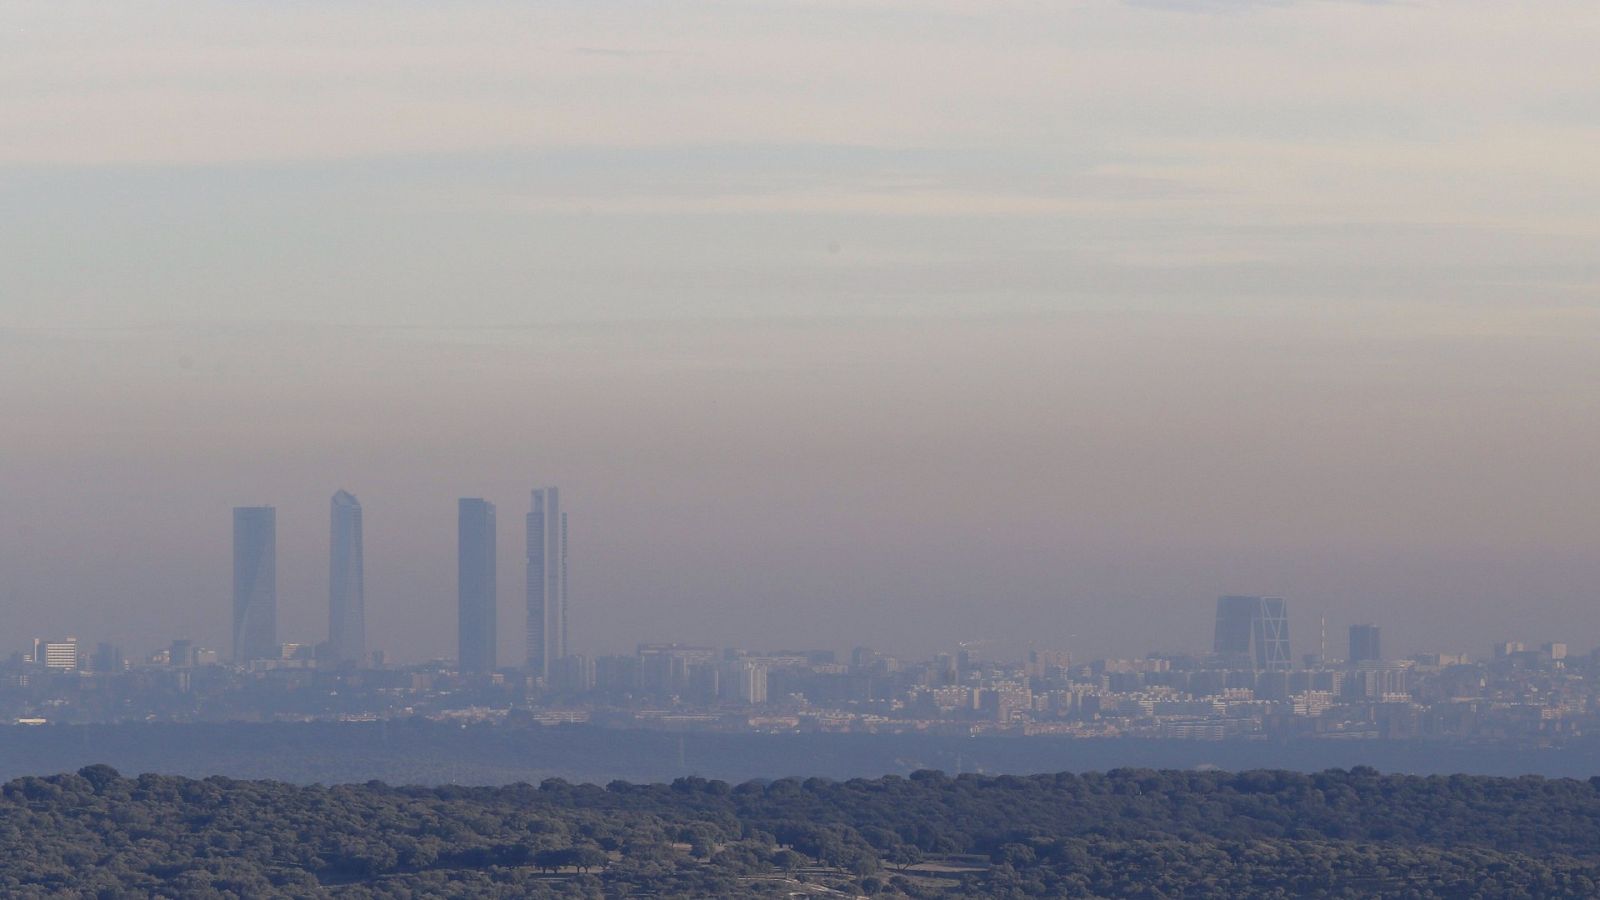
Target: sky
<point>886,322</point>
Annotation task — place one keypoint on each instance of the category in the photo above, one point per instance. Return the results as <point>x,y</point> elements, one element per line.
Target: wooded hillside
<point>1127,832</point>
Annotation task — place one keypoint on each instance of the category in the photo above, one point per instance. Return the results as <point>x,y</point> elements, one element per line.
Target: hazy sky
<point>877,322</point>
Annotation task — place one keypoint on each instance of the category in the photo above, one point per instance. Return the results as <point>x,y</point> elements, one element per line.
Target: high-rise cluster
<point>255,584</point>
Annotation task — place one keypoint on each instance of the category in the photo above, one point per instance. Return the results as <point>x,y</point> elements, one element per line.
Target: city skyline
<point>1516,695</point>
<point>1250,636</point>
<point>1250,631</point>
<point>1245,627</point>
<point>1136,426</point>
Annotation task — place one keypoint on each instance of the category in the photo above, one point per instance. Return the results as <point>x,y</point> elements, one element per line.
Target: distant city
<point>1250,686</point>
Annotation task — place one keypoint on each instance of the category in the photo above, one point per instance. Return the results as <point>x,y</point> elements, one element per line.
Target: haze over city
<point>1112,309</point>
<point>906,449</point>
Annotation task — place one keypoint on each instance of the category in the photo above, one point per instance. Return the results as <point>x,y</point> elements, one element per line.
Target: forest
<point>1123,833</point>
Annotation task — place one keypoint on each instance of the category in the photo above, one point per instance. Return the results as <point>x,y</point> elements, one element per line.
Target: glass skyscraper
<point>347,628</point>
<point>476,585</point>
<point>255,583</point>
<point>547,582</point>
<point>1364,646</point>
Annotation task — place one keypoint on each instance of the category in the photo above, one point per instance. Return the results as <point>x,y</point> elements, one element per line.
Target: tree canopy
<point>1127,832</point>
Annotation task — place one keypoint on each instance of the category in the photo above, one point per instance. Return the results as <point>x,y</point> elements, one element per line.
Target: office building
<point>745,681</point>
<point>1509,649</point>
<point>347,624</point>
<point>476,585</point>
<point>547,582</point>
<point>572,672</point>
<point>60,656</point>
<point>1373,680</point>
<point>181,653</point>
<point>107,658</point>
<point>1230,642</point>
<point>668,667</point>
<point>1364,644</point>
<point>255,583</point>
<point>1252,633</point>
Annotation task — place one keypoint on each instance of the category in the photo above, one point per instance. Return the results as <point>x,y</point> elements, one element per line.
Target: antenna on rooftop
<point>1322,654</point>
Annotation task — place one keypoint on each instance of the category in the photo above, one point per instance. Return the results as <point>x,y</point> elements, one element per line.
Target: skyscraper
<point>1364,643</point>
<point>347,622</point>
<point>1252,632</point>
<point>475,585</point>
<point>547,582</point>
<point>1230,642</point>
<point>1270,632</point>
<point>255,583</point>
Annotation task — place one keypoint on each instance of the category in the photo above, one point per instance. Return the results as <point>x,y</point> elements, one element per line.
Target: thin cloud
<point>624,52</point>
